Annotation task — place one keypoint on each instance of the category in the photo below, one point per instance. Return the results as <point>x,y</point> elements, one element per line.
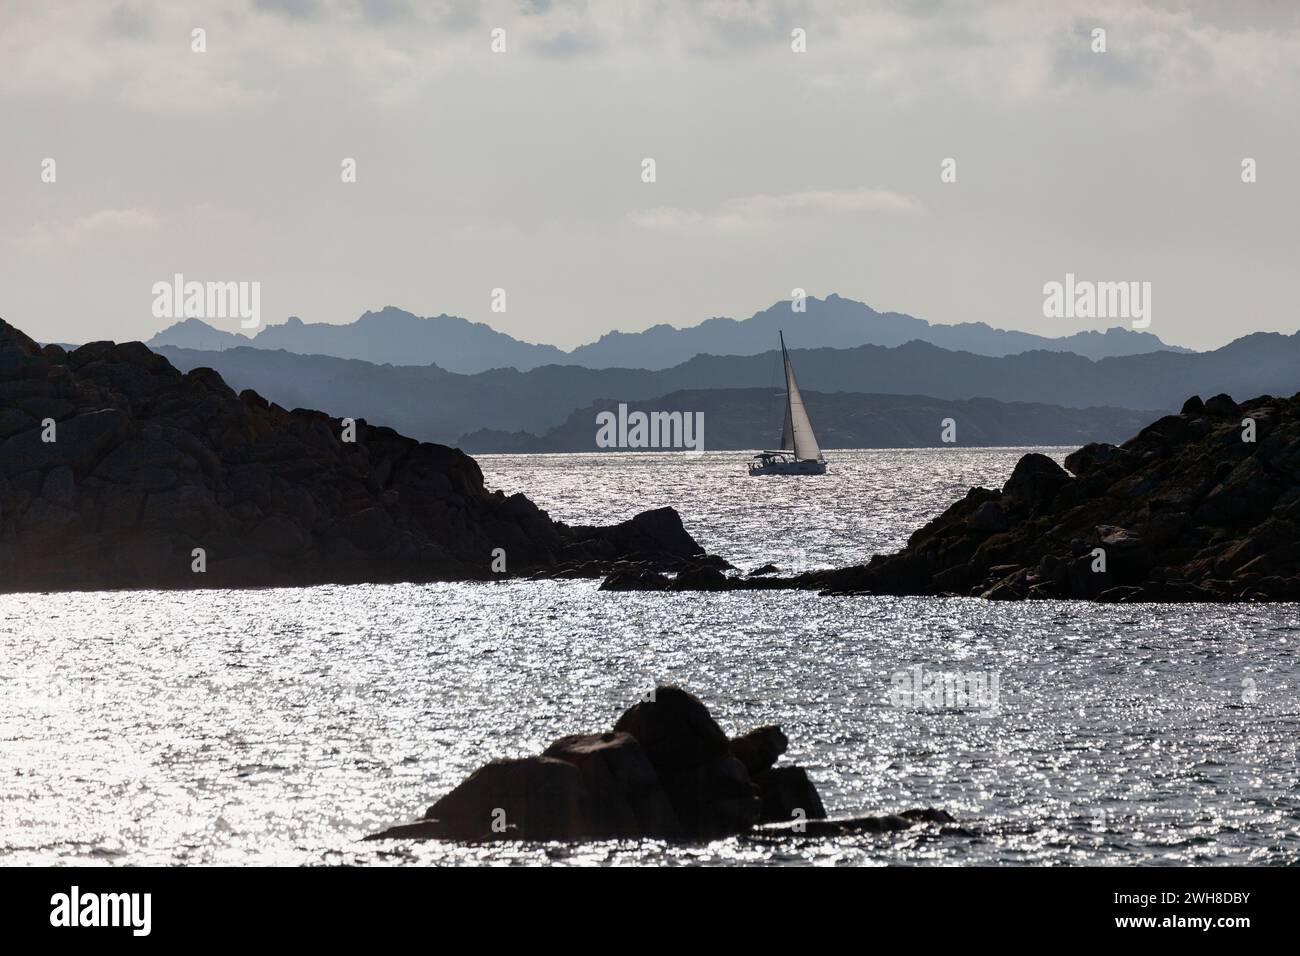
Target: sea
<point>280,726</point>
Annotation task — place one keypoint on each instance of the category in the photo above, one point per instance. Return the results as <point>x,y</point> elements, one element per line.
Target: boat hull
<point>807,467</point>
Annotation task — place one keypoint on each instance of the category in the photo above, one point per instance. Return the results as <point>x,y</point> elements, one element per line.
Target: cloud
<point>829,200</point>
<point>296,9</point>
<point>104,222</point>
<point>666,217</point>
<point>393,49</point>
<point>764,209</point>
<point>566,43</point>
<point>1139,54</point>
<point>385,11</point>
<point>128,21</point>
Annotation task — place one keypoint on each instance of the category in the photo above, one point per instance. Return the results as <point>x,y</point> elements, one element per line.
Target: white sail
<point>797,435</point>
<point>787,430</point>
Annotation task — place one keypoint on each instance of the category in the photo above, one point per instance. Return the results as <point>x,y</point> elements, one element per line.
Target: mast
<point>787,425</point>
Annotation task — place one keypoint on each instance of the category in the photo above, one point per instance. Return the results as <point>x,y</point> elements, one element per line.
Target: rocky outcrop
<point>1199,506</point>
<point>117,470</point>
<point>666,771</point>
<point>759,749</point>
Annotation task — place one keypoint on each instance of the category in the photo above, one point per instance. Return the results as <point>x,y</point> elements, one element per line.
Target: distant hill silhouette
<point>750,418</point>
<point>392,336</point>
<point>197,334</point>
<point>433,404</point>
<point>836,322</point>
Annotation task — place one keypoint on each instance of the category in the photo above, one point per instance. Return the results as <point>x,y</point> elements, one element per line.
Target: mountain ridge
<point>433,404</point>
<point>395,336</point>
<point>737,419</point>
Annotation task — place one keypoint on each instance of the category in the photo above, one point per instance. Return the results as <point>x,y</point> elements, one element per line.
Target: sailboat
<point>799,454</point>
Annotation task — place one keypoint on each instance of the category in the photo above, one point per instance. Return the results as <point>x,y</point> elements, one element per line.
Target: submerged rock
<point>667,771</point>
<point>116,470</point>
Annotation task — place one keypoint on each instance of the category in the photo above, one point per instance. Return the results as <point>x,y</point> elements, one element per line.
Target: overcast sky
<point>522,170</point>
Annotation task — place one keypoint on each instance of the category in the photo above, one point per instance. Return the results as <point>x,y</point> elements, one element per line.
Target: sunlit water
<point>281,726</point>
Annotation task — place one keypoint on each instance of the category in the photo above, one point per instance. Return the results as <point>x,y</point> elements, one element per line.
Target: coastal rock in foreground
<point>1199,506</point>
<point>118,471</point>
<point>666,771</point>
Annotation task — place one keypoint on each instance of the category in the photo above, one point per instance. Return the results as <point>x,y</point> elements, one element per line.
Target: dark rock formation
<point>627,798</point>
<point>667,771</point>
<point>1199,506</point>
<point>117,470</point>
<point>759,749</point>
<point>786,793</point>
<point>676,730</point>
<point>715,799</point>
<point>532,798</point>
<point>710,789</point>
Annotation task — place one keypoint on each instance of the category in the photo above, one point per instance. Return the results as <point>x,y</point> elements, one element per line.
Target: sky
<point>522,170</point>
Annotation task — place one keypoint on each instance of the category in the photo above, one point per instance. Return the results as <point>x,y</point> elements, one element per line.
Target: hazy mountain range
<point>433,404</point>
<point>392,336</point>
<point>750,418</point>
